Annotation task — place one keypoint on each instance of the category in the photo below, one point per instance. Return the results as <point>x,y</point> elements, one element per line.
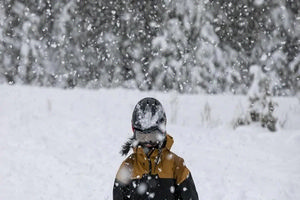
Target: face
<point>149,139</point>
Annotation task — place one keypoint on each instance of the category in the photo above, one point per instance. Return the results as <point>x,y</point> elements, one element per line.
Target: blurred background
<point>187,46</point>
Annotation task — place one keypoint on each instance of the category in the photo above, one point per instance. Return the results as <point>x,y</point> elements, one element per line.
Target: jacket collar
<point>170,142</point>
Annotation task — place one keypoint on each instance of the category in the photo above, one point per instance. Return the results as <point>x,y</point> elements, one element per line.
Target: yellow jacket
<point>160,174</point>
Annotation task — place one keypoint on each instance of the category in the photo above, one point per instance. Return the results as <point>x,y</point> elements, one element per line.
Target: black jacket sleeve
<point>120,191</point>
<point>187,190</point>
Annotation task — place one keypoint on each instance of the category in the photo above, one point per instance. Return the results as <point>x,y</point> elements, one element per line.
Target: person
<point>152,171</point>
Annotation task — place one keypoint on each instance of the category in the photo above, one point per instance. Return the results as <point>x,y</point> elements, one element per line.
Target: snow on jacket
<point>158,176</point>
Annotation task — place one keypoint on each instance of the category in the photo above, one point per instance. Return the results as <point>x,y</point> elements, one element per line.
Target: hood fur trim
<point>127,146</point>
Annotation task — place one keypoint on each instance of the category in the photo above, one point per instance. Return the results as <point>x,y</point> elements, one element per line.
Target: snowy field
<point>64,144</point>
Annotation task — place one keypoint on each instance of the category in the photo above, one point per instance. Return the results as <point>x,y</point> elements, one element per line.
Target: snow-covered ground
<point>64,144</point>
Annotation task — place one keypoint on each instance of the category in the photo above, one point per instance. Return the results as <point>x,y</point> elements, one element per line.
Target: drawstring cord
<point>158,158</point>
<point>161,146</point>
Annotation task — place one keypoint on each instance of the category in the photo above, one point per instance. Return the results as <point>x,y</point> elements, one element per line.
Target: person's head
<point>149,123</point>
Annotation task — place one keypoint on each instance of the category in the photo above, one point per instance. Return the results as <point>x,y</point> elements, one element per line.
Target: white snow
<point>64,144</point>
<point>258,2</point>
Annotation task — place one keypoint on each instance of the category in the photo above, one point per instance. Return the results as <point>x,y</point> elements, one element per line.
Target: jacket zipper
<point>150,166</point>
<point>149,160</point>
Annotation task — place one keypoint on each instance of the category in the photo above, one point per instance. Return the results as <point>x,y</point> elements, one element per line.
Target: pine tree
<point>261,104</point>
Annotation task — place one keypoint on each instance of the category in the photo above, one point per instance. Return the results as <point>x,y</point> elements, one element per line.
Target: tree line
<point>188,46</point>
